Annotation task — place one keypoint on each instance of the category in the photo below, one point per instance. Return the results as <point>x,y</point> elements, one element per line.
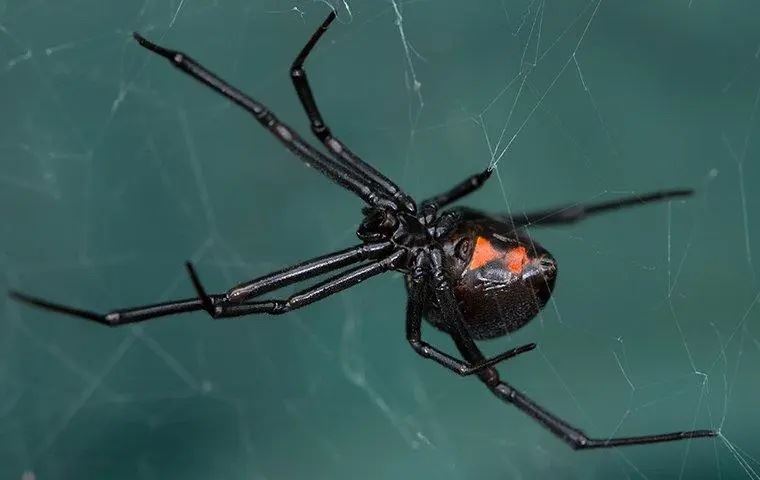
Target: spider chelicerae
<point>472,275</point>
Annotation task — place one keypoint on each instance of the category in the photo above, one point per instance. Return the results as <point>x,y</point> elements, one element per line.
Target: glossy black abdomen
<point>501,278</point>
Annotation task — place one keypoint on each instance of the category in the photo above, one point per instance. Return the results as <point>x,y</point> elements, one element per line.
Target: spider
<point>472,275</point>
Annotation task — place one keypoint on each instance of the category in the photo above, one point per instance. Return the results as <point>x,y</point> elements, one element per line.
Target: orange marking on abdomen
<point>483,253</point>
<point>516,259</point>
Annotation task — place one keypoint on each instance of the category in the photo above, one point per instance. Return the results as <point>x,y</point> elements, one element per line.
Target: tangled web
<point>115,169</point>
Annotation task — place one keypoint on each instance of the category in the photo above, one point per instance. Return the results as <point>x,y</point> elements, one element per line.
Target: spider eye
<point>463,249</point>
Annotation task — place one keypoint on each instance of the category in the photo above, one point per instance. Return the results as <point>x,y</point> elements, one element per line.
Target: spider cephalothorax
<point>378,224</point>
<point>473,275</point>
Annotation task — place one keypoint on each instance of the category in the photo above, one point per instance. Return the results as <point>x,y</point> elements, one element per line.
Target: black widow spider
<point>473,275</point>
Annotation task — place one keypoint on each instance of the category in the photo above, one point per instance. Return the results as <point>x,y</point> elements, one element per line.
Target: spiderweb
<point>115,170</point>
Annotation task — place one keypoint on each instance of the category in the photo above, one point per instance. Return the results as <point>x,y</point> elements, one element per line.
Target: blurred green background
<point>115,169</point>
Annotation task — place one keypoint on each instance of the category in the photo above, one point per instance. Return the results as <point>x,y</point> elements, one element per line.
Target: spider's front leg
<point>459,191</point>
<point>339,173</point>
<point>431,206</point>
<point>323,133</point>
<point>419,277</point>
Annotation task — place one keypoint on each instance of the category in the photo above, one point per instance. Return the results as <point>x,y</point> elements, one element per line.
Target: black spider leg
<point>566,432</point>
<point>414,328</point>
<point>297,273</point>
<point>348,179</point>
<point>322,131</point>
<point>335,284</point>
<point>306,270</point>
<point>470,184</point>
<point>573,213</point>
<point>460,190</point>
<point>118,317</point>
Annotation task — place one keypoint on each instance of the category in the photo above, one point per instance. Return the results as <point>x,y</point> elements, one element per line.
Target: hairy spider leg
<point>323,133</point>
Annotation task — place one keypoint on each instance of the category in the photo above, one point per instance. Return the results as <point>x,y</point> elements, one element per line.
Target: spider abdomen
<point>500,277</point>
<point>490,311</point>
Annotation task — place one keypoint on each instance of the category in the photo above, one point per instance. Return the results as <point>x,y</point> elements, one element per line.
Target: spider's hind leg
<point>574,437</point>
<point>574,213</point>
<point>424,349</point>
<point>569,434</point>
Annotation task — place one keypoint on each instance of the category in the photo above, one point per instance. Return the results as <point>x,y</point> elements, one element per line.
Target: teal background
<point>115,169</point>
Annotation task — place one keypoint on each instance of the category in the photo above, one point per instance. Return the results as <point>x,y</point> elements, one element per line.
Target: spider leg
<point>206,301</point>
<point>573,213</point>
<point>575,437</point>
<point>569,434</point>
<point>305,270</point>
<point>312,294</point>
<point>322,131</point>
<point>338,173</point>
<point>122,316</point>
<point>458,191</point>
<point>424,349</point>
<point>273,281</point>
